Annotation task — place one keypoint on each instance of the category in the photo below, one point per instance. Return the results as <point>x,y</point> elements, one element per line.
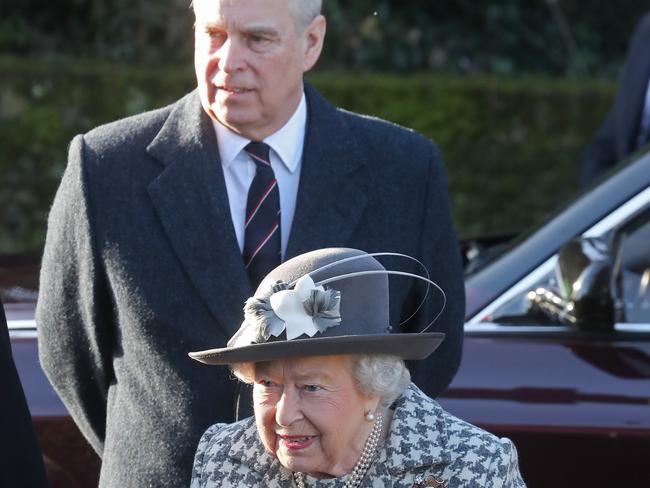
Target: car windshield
<point>491,272</point>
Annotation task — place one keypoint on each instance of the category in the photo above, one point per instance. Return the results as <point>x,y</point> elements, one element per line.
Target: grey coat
<point>141,266</point>
<point>424,441</point>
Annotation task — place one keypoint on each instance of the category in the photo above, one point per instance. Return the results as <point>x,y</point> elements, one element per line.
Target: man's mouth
<point>233,89</point>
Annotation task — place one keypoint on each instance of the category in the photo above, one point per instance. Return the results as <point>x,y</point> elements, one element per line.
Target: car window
<point>632,270</point>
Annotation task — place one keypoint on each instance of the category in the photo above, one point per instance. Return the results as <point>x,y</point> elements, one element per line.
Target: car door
<point>574,397</point>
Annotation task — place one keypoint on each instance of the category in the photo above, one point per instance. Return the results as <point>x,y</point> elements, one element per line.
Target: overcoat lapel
<point>191,201</point>
<point>334,181</point>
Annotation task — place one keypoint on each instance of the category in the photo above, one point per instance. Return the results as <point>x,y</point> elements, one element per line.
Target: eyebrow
<point>306,375</point>
<point>313,375</point>
<point>269,31</point>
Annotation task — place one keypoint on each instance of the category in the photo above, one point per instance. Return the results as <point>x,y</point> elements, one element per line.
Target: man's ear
<point>313,37</point>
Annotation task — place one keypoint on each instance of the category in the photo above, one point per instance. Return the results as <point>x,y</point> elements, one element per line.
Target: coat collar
<point>191,201</point>
<point>418,434</point>
<point>190,198</point>
<point>334,180</point>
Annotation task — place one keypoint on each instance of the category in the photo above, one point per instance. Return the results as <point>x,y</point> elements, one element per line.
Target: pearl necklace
<point>364,461</point>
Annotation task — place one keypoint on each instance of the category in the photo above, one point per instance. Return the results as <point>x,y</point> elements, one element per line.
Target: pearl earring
<point>370,416</point>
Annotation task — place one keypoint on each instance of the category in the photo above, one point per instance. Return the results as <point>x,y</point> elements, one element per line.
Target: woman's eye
<point>266,383</point>
<point>312,388</point>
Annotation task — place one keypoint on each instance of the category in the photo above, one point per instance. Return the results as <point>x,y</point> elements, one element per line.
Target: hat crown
<point>329,301</point>
<point>364,300</point>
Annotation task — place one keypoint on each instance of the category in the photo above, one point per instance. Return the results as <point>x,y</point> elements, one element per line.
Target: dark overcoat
<point>617,136</point>
<point>141,266</point>
<point>21,462</point>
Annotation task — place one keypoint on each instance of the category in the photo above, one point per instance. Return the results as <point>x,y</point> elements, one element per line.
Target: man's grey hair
<point>305,11</point>
<point>380,375</point>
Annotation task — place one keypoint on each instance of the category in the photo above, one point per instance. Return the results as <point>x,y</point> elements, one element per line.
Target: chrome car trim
<point>630,327</point>
<point>629,208</point>
<point>22,329</point>
<point>23,334</point>
<point>21,324</point>
<point>492,328</point>
<point>616,217</point>
<point>522,286</point>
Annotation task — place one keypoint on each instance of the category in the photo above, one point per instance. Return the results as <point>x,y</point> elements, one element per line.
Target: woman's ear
<point>371,406</point>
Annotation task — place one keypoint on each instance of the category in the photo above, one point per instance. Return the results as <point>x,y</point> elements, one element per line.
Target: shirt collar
<point>287,142</point>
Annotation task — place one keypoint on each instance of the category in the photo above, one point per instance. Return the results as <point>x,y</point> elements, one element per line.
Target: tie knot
<point>259,152</point>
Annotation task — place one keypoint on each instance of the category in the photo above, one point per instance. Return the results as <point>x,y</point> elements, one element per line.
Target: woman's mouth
<point>296,443</point>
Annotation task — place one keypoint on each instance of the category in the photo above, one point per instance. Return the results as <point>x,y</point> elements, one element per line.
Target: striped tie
<point>262,227</point>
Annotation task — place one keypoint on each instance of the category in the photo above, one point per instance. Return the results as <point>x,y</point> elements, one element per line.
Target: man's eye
<point>265,383</point>
<point>259,42</point>
<point>215,35</point>
<point>312,388</point>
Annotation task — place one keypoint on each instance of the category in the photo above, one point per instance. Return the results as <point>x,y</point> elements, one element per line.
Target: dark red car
<point>557,340</point>
<point>556,355</point>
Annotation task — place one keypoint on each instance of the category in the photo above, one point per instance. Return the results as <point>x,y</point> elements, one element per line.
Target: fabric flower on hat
<point>306,309</point>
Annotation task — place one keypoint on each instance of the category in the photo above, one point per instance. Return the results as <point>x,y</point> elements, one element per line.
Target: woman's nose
<point>231,56</point>
<point>288,408</point>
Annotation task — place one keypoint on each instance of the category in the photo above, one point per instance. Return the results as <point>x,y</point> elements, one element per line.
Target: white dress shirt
<point>286,159</point>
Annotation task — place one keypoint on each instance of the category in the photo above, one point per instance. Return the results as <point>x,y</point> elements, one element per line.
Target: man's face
<point>249,57</point>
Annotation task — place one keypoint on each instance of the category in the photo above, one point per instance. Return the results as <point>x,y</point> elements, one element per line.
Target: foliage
<point>553,37</point>
<point>511,146</point>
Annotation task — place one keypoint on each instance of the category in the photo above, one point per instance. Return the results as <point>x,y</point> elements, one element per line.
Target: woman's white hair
<point>380,375</point>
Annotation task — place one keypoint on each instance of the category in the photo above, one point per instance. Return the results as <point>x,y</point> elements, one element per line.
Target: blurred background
<point>511,90</point>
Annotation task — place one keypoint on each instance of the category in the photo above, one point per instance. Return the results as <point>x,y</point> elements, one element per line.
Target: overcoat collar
<point>334,180</point>
<point>418,439</point>
<point>191,200</point>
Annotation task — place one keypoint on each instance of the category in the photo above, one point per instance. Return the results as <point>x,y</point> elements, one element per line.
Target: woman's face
<point>310,414</point>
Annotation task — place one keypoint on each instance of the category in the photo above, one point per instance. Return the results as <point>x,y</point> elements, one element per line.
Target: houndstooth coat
<point>425,443</point>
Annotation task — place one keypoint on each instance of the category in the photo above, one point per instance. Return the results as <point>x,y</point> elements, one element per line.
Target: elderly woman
<point>333,401</point>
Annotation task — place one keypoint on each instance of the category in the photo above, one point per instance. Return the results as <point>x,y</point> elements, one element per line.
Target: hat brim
<point>407,346</point>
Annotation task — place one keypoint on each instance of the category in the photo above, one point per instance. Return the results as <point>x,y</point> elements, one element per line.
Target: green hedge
<point>511,146</point>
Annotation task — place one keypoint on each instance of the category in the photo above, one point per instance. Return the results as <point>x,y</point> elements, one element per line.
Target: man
<point>154,236</point>
<point>22,462</point>
<point>627,127</point>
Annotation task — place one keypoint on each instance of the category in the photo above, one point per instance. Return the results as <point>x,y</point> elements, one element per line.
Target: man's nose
<point>288,409</point>
<point>231,56</point>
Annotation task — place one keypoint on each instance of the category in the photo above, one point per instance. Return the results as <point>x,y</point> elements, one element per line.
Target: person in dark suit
<point>148,253</point>
<point>21,460</point>
<point>627,125</point>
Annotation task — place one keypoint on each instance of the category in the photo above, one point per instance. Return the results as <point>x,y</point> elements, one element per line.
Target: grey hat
<point>325,302</point>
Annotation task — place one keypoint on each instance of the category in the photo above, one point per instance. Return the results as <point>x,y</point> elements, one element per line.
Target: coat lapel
<point>334,178</point>
<point>191,201</point>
